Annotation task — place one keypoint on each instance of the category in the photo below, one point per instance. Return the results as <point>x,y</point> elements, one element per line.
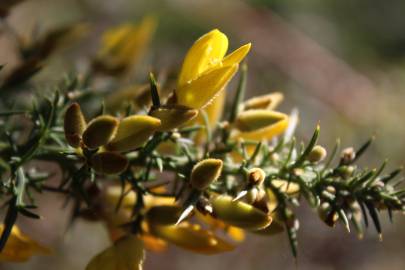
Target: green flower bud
<point>133,132</point>
<point>100,131</point>
<point>317,154</point>
<point>205,172</point>
<point>239,214</point>
<point>109,162</point>
<point>257,119</point>
<point>74,125</point>
<point>173,116</point>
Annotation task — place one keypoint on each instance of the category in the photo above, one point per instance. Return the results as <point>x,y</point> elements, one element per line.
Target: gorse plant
<point>161,167</point>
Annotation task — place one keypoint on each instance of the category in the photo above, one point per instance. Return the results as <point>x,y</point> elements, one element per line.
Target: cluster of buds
<point>103,140</point>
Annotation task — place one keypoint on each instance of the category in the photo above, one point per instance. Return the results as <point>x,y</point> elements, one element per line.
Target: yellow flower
<point>239,214</point>
<point>126,254</point>
<point>123,46</point>
<point>191,237</point>
<point>19,247</point>
<point>206,70</point>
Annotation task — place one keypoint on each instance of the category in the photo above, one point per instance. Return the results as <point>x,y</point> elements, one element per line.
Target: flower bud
<point>327,214</point>
<point>257,119</point>
<point>317,154</point>
<point>164,214</point>
<point>268,102</point>
<point>255,176</point>
<point>260,125</point>
<point>205,172</point>
<point>348,155</point>
<point>100,131</point>
<point>284,186</point>
<point>133,131</point>
<point>192,237</point>
<point>74,125</point>
<point>173,116</point>
<point>109,162</point>
<point>239,214</point>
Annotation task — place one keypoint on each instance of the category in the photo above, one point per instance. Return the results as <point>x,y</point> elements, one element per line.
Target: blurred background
<point>342,63</point>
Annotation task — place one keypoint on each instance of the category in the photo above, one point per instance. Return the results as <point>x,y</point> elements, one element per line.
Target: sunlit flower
<point>20,247</point>
<point>206,70</point>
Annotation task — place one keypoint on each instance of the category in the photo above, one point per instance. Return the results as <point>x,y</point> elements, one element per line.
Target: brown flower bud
<point>205,172</point>
<point>255,176</point>
<point>108,162</point>
<point>164,214</point>
<point>100,131</point>
<point>348,155</point>
<point>74,125</point>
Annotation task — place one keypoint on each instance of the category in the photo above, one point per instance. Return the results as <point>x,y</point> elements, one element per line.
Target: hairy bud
<point>205,172</point>
<point>74,125</point>
<point>133,132</point>
<point>100,131</point>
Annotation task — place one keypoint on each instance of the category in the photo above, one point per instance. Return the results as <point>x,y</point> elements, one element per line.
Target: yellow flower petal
<point>123,45</point>
<point>192,237</point>
<point>239,214</point>
<point>237,55</point>
<point>173,116</point>
<point>213,111</point>
<point>201,91</point>
<point>126,254</point>
<point>207,51</point>
<point>133,131</point>
<point>237,234</point>
<point>20,247</point>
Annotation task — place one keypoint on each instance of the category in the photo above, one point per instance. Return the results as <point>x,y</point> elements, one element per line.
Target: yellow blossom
<point>20,247</point>
<point>123,45</point>
<point>127,253</point>
<point>206,70</point>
